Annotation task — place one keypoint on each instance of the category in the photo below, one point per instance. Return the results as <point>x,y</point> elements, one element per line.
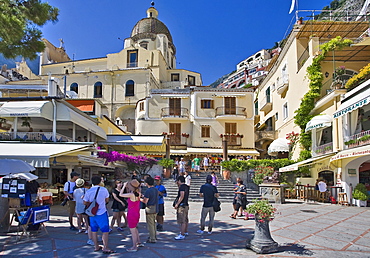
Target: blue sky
<point>211,37</point>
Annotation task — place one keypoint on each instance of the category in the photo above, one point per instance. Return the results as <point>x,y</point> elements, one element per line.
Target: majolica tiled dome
<point>150,27</point>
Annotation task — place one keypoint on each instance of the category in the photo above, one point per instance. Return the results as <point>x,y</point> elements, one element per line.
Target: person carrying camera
<point>69,187</point>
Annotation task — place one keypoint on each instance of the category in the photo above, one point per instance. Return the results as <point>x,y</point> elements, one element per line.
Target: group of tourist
<point>128,196</point>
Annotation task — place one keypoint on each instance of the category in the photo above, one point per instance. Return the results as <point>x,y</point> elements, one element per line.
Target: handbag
<point>216,205</point>
<point>92,208</point>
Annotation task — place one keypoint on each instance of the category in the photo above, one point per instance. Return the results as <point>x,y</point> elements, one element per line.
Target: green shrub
<point>360,192</point>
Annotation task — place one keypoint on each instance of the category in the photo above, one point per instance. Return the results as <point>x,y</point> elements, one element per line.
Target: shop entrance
<point>59,175</point>
<point>328,176</point>
<point>364,173</point>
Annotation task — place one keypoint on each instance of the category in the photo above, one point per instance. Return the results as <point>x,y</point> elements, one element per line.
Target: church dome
<point>149,27</point>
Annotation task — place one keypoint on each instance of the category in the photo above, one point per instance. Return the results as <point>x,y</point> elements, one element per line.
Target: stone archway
<point>126,116</point>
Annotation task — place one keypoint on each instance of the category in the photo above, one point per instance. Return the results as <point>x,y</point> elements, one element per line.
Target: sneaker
<point>72,228</point>
<point>186,234</point>
<point>180,237</point>
<point>209,232</point>
<point>79,231</point>
<point>90,242</point>
<point>200,232</point>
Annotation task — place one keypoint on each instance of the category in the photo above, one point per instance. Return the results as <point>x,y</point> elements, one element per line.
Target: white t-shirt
<point>187,180</point>
<point>205,161</point>
<point>322,186</point>
<point>69,187</point>
<point>100,199</point>
<point>78,195</point>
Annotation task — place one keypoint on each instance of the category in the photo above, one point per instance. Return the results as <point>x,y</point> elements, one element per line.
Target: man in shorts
<point>69,187</point>
<point>162,193</point>
<point>182,207</point>
<point>100,220</point>
<point>196,161</point>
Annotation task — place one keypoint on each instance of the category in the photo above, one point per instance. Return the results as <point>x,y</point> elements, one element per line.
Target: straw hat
<point>80,182</point>
<point>133,185</point>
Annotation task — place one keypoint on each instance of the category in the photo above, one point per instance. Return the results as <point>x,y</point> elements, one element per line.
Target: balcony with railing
<point>283,84</point>
<point>266,104</point>
<point>233,140</point>
<point>174,113</point>
<point>177,141</point>
<point>358,139</point>
<point>322,149</point>
<point>265,135</point>
<point>34,137</point>
<point>132,65</point>
<point>227,112</point>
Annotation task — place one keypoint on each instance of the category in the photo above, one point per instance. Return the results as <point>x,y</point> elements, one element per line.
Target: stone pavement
<point>301,229</point>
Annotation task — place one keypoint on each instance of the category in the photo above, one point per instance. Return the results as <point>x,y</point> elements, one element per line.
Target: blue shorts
<point>99,221</point>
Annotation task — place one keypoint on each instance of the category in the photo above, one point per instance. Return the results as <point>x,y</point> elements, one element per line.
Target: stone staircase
<point>225,189</point>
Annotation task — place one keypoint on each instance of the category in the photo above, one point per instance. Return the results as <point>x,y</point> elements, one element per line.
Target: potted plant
<point>262,241</point>
<point>360,195</point>
<point>167,164</point>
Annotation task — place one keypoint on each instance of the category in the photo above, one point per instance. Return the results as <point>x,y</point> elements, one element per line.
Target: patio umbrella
<point>12,166</point>
<point>23,175</point>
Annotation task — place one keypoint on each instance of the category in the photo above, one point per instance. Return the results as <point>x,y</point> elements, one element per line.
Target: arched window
<point>98,90</point>
<point>74,87</point>
<point>130,88</point>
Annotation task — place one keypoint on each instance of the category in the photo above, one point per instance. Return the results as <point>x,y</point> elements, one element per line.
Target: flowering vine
<point>140,164</point>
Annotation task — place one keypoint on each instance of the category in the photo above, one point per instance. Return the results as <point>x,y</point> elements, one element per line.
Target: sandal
<point>108,251</point>
<point>97,250</point>
<point>232,217</point>
<point>130,250</point>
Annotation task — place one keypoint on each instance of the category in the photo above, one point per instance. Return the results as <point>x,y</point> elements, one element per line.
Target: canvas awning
<point>38,154</point>
<point>278,145</point>
<point>215,151</point>
<point>65,113</point>
<point>27,109</point>
<point>356,152</point>
<point>319,121</point>
<point>85,105</point>
<point>137,143</point>
<point>295,166</point>
<point>352,103</point>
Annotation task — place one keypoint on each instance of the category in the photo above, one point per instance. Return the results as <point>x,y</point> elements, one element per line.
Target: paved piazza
<point>301,229</point>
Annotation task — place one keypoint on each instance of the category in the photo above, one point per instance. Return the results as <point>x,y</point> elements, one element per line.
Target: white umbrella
<point>13,166</point>
<point>24,175</point>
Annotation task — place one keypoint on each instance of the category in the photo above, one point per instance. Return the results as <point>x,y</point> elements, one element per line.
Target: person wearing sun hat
<point>133,211</point>
<point>162,193</point>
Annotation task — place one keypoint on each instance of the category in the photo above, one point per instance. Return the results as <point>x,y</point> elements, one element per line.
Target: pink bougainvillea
<point>138,163</point>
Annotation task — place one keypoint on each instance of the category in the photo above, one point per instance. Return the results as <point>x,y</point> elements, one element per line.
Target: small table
<point>44,194</point>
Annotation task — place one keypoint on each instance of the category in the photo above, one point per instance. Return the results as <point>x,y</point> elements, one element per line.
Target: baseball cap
<point>74,174</point>
<point>157,178</point>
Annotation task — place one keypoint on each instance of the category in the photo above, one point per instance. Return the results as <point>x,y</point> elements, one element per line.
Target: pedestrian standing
<point>69,187</point>
<point>182,208</point>
<point>240,199</point>
<point>208,192</point>
<point>162,193</point>
<point>196,162</point>
<point>119,207</point>
<point>100,220</point>
<point>133,211</point>
<point>205,163</point>
<point>214,179</point>
<point>78,195</point>
<point>151,200</point>
<point>187,178</point>
<point>182,166</point>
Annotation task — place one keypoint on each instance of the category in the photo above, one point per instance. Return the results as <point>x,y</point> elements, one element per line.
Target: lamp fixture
<point>326,75</point>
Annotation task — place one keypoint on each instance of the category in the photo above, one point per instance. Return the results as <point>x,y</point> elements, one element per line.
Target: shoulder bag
<point>92,208</point>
